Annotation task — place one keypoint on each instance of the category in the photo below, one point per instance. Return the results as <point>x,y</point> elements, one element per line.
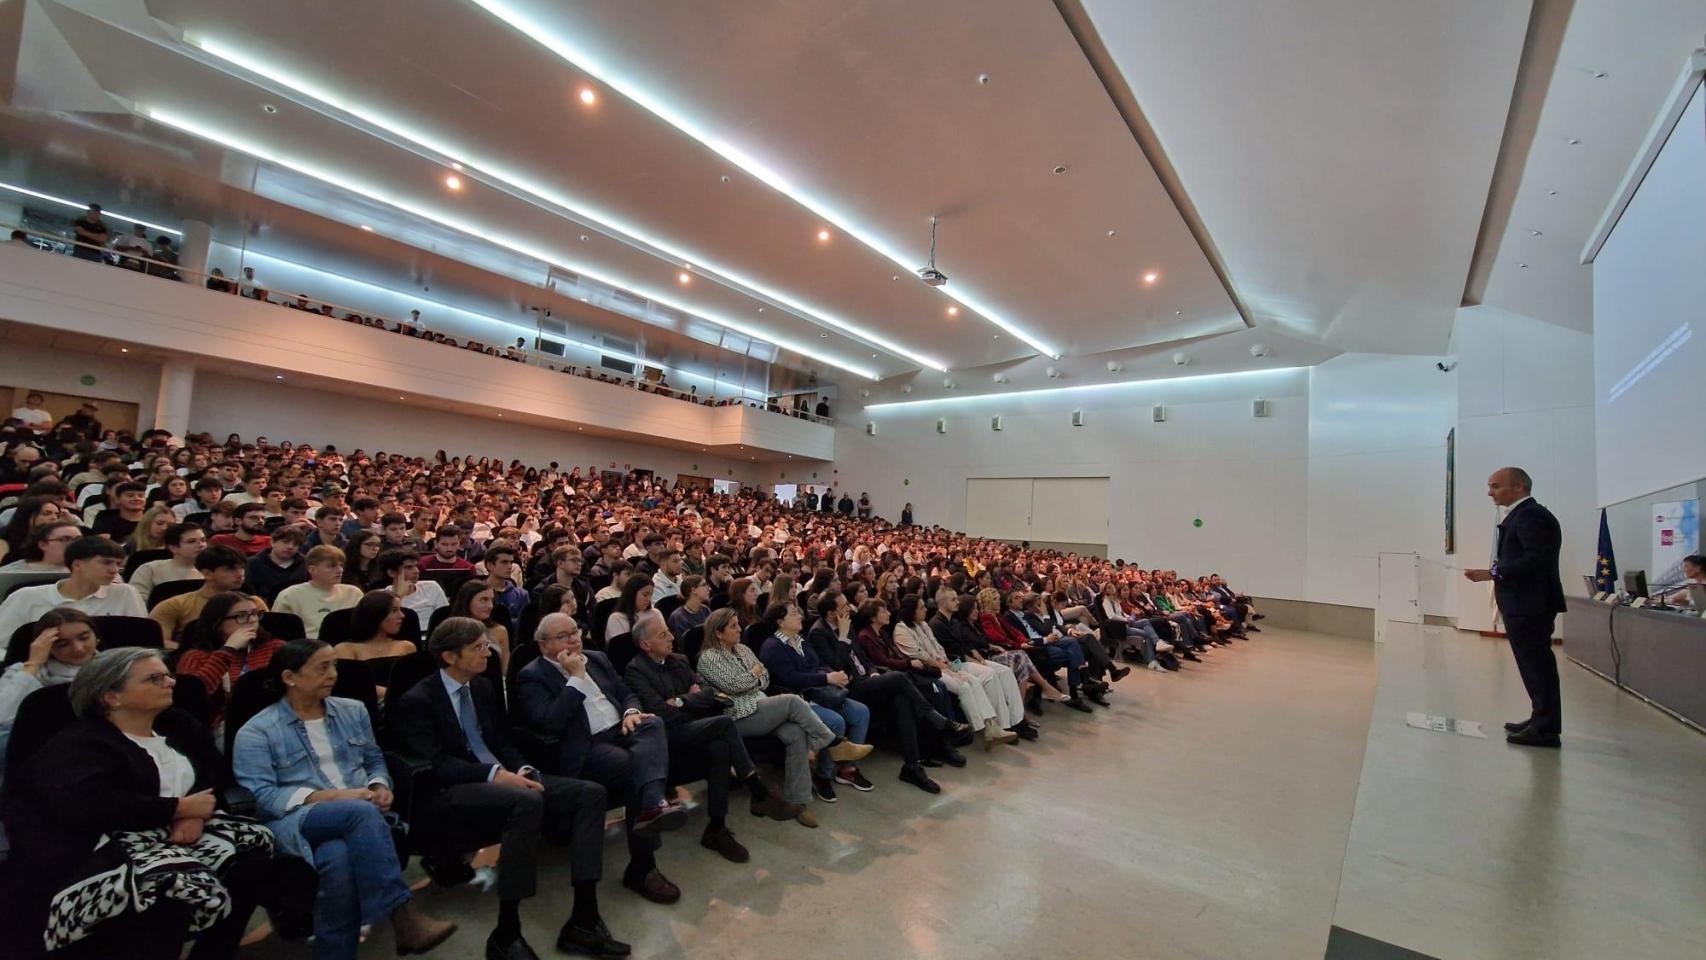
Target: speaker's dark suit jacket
<point>547,705</point>
<point>1525,578</point>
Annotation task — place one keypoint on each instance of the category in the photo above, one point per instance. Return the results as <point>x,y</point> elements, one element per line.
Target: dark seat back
<point>252,693</point>
<point>24,578</point>
<point>284,626</point>
<point>601,612</point>
<point>171,588</point>
<point>141,557</point>
<point>669,605</point>
<point>620,650</point>
<point>128,632</point>
<point>450,580</point>
<point>335,627</point>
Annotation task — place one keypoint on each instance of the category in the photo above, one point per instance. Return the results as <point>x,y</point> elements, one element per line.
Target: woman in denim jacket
<point>320,782</point>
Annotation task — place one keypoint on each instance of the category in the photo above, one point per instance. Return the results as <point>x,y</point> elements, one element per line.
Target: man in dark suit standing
<point>451,720</point>
<point>575,696</point>
<point>1530,597</point>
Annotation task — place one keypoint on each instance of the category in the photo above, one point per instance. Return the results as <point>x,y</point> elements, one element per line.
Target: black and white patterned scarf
<point>141,867</point>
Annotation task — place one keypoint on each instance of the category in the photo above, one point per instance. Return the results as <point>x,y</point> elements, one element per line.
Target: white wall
<point>279,412</point>
<point>1244,477</point>
<point>1525,399</point>
<point>1377,430</point>
<point>62,371</point>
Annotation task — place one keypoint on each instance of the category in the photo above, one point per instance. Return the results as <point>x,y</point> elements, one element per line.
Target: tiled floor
<point>1465,848</point>
<point>1205,815</point>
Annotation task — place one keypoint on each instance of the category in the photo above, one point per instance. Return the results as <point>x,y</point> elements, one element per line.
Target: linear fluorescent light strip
<point>1659,354</point>
<point>522,328</point>
<point>62,201</point>
<point>542,193</point>
<point>526,25</point>
<point>191,127</point>
<point>1050,391</point>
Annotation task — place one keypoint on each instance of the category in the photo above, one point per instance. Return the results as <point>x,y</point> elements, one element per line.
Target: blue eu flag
<point>1605,568</point>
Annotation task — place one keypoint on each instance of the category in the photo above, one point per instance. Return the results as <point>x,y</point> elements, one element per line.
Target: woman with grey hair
<point>120,849</point>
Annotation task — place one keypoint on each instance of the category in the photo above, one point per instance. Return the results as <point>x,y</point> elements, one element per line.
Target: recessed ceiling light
<point>585,238</point>
<point>278,376</point>
<point>684,277</point>
<point>1534,233</point>
<point>453,181</point>
<point>823,236</point>
<point>402,398</point>
<point>123,349</point>
<point>269,108</point>
<point>995,336</point>
<point>456,166</point>
<point>953,311</point>
<point>1551,193</point>
<point>725,178</point>
<point>824,336</point>
<point>588,97</point>
<point>1524,266</point>
<point>983,79</point>
<point>585,300</point>
<point>1059,169</point>
<point>873,356</point>
<point>1178,313</point>
<point>1111,232</point>
<point>895,277</point>
<point>367,228</point>
<point>760,309</point>
<point>1572,141</point>
<point>1151,277</point>
<point>1600,74</point>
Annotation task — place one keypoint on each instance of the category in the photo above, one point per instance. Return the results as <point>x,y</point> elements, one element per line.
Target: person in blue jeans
<point>793,666</point>
<point>321,784</point>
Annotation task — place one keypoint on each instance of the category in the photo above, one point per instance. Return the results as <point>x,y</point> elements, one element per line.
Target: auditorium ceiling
<point>1116,182</point>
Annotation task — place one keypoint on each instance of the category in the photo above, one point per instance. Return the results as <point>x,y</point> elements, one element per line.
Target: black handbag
<point>827,696</point>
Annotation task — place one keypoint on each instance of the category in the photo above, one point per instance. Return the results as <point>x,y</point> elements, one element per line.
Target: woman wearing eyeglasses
<point>224,643</point>
<point>44,552</point>
<point>120,850</point>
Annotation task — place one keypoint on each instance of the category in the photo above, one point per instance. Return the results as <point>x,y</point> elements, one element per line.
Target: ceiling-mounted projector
<point>928,273</point>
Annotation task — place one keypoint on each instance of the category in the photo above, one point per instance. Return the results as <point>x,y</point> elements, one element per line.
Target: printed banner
<point>1676,534</point>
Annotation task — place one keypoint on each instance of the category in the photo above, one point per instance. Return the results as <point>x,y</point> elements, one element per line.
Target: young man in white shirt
<point>95,563</point>
<point>185,542</point>
<point>323,593</point>
<point>667,581</point>
<point>32,414</point>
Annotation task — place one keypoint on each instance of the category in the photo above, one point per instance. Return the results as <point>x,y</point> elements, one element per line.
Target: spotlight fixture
<point>1053,373</point>
<point>1180,359</point>
<point>928,273</point>
<point>1258,349</point>
<point>588,97</point>
<point>1114,366</point>
<point>453,181</point>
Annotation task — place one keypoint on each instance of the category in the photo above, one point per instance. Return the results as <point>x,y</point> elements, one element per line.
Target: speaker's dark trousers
<point>1531,643</point>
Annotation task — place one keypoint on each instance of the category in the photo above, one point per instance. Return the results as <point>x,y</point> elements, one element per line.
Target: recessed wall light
<point>953,311</point>
<point>684,277</point>
<point>1151,277</point>
<point>588,97</point>
<point>453,181</point>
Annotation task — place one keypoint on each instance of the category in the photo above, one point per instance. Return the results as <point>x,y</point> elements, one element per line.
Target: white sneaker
<point>1163,646</point>
<point>1156,667</point>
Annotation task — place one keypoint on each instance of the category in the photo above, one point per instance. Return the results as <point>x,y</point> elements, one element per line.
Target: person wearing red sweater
<point>224,643</point>
<point>1002,633</point>
<point>250,538</point>
<point>447,551</point>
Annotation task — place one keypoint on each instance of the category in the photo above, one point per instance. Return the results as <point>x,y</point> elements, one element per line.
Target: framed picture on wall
<point>1451,491</point>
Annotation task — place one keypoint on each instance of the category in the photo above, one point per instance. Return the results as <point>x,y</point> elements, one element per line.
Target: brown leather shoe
<point>806,818</point>
<point>724,843</point>
<point>416,932</point>
<point>655,887</point>
<point>848,752</point>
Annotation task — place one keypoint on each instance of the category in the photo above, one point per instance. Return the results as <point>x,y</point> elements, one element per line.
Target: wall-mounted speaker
<point>941,424</point>
<point>1261,408</point>
<point>1078,418</point>
<point>995,423</point>
<point>870,429</point>
<point>1158,413</point>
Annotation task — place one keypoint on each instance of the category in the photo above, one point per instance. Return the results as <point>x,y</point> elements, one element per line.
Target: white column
<point>172,406</point>
<point>193,251</point>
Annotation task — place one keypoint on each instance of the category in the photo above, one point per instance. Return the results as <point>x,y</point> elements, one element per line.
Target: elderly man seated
<point>701,736</point>
<point>574,696</point>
